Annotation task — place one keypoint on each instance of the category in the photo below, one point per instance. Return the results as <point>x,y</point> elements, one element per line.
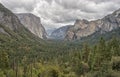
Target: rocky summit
<point>84,28</point>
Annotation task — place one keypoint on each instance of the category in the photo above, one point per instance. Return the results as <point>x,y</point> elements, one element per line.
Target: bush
<point>82,68</point>
<point>11,73</point>
<point>109,73</point>
<point>116,63</point>
<point>2,73</point>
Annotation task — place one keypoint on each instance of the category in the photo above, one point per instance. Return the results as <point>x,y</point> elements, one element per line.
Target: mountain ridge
<point>83,28</point>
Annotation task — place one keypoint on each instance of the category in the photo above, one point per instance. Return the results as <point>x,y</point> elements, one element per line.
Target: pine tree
<point>4,60</point>
<point>86,52</point>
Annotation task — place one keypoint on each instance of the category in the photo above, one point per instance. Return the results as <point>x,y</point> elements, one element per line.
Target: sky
<point>57,13</point>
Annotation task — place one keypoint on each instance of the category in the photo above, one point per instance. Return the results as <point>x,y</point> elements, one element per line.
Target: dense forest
<point>28,58</point>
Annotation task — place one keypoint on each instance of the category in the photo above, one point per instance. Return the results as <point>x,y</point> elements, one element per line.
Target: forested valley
<point>24,54</point>
<point>60,59</point>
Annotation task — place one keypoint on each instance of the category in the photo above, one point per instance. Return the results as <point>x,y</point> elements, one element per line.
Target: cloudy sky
<point>56,13</point>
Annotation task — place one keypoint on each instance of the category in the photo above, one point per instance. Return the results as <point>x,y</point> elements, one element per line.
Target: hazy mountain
<point>50,30</point>
<point>60,33</point>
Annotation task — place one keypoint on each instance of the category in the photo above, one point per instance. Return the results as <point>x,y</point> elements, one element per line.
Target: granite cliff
<point>33,24</point>
<point>84,28</point>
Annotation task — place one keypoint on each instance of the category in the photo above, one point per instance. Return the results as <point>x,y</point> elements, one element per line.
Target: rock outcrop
<point>9,20</point>
<point>33,24</point>
<point>84,28</point>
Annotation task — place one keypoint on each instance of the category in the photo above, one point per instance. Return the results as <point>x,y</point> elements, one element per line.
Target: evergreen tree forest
<point>60,59</point>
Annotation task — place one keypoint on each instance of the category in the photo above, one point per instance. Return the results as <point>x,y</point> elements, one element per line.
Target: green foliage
<point>4,60</point>
<point>2,73</point>
<point>23,55</point>
<point>10,73</point>
<point>116,63</point>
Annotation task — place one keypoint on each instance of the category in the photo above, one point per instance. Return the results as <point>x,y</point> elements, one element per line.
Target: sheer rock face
<point>9,20</point>
<point>84,28</point>
<point>33,24</point>
<point>60,33</point>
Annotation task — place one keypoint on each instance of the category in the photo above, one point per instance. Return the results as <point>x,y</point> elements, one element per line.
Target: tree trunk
<point>31,70</point>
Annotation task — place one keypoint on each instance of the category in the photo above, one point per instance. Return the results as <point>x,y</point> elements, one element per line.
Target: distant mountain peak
<point>60,33</point>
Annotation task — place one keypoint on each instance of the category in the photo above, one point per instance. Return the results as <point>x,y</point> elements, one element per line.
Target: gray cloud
<point>16,5</point>
<point>56,13</point>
